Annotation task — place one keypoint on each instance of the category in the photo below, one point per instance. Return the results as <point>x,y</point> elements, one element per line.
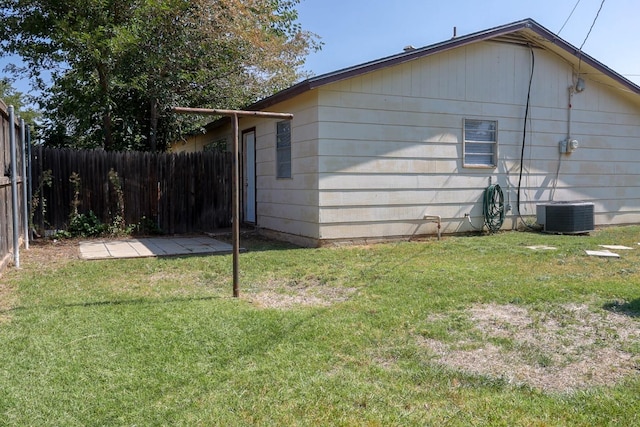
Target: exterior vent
<point>566,217</point>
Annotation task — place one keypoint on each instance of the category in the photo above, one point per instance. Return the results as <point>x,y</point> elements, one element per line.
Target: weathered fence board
<point>6,208</point>
<point>180,193</point>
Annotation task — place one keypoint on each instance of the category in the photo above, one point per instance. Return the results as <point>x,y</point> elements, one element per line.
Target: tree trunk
<point>107,124</point>
<point>153,125</point>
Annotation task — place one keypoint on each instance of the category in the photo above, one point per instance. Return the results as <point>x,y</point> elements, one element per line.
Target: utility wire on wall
<point>524,131</point>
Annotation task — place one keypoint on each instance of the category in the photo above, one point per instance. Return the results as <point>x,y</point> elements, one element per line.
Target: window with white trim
<point>480,143</point>
<point>283,149</point>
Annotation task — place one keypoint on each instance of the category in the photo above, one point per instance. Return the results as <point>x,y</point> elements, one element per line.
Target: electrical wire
<point>570,15</point>
<point>473,226</point>
<point>587,36</point>
<point>493,207</point>
<point>524,131</point>
<point>555,181</point>
<point>592,24</point>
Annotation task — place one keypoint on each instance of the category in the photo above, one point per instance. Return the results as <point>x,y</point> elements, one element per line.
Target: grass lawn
<point>476,330</point>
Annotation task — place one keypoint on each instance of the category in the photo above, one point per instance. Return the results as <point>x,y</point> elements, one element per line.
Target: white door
<point>249,176</point>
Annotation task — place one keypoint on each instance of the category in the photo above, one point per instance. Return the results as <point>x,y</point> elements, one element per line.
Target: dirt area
<point>275,294</point>
<point>568,348</point>
<point>50,253</point>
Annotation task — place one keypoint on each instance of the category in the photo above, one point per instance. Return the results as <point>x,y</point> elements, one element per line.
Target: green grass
<point>162,342</point>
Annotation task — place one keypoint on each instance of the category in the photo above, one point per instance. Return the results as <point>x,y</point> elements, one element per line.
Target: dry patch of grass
<point>50,254</point>
<point>565,348</point>
<point>286,294</point>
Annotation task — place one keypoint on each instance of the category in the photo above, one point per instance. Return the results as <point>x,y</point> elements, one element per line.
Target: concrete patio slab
<point>605,254</point>
<point>152,247</point>
<point>616,247</point>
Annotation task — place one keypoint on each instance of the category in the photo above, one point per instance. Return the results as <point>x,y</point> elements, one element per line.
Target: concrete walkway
<point>152,247</point>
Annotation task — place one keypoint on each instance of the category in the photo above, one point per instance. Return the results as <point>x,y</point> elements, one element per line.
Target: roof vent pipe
<point>455,32</point>
<point>408,48</point>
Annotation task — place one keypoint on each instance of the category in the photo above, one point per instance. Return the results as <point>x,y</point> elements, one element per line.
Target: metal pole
<point>235,205</point>
<point>25,201</point>
<point>14,187</point>
<point>239,113</point>
<point>29,177</point>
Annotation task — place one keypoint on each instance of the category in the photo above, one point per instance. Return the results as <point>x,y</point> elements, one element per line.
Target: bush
<point>146,227</point>
<point>86,225</point>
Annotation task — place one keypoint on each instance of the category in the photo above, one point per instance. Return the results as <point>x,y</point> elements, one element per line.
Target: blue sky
<point>357,31</point>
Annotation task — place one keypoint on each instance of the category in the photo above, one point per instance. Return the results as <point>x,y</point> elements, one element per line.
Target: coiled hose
<point>493,207</point>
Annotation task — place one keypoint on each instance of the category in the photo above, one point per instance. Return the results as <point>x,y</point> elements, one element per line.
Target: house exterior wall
<point>390,143</point>
<point>289,206</point>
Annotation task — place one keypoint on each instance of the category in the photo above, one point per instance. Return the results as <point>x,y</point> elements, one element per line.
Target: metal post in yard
<point>25,201</point>
<point>235,208</point>
<point>14,187</point>
<point>29,177</point>
<point>235,205</point>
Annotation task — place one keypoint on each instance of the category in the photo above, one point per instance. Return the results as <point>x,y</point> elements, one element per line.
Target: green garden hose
<point>493,208</point>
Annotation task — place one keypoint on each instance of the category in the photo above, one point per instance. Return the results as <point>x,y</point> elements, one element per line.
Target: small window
<point>480,143</point>
<point>283,149</point>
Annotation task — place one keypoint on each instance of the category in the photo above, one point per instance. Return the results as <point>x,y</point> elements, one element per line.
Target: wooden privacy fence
<point>179,193</point>
<point>12,206</point>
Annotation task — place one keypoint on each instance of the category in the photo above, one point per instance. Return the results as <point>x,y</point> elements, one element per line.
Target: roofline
<point>453,43</point>
<point>569,48</point>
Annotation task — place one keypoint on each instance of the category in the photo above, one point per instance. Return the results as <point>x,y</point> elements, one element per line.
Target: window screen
<point>283,149</point>
<point>480,142</point>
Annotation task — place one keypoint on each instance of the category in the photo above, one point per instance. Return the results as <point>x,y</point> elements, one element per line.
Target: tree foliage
<point>119,66</point>
<point>10,96</point>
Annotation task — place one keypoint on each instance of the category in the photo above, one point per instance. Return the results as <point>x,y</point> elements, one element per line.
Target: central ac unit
<point>565,217</point>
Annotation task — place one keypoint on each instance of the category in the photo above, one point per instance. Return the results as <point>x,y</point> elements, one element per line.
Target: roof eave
<point>525,24</point>
<point>370,66</point>
<point>576,52</point>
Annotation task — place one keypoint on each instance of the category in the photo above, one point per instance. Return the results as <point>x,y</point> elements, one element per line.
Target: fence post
<point>25,201</point>
<point>14,187</point>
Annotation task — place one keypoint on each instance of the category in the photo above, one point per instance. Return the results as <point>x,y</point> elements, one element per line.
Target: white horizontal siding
<point>295,227</point>
<point>301,197</point>
<point>390,147</point>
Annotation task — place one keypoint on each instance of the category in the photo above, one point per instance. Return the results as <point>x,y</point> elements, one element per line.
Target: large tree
<point>118,66</point>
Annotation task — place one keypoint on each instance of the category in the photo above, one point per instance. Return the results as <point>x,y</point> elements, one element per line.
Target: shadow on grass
<point>257,243</point>
<point>136,301</point>
<point>631,309</point>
